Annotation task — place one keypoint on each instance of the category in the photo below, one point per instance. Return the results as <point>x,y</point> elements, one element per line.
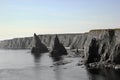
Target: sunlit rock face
<point>58,49</point>
<point>38,46</point>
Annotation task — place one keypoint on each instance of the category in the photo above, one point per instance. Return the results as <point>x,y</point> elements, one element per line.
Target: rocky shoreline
<point>101,48</point>
<point>107,66</point>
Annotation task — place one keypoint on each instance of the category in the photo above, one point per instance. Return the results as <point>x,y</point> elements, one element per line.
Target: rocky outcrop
<point>106,41</point>
<point>116,56</point>
<point>102,49</point>
<point>58,49</point>
<point>93,54</point>
<point>38,46</point>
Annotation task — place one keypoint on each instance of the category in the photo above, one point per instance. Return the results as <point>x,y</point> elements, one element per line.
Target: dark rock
<point>93,52</point>
<point>93,70</point>
<point>52,66</point>
<point>39,47</point>
<point>79,64</point>
<point>116,56</point>
<point>58,49</point>
<point>77,52</point>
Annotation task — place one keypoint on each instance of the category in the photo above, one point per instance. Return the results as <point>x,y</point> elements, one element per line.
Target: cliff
<point>48,40</point>
<point>102,49</point>
<point>106,44</point>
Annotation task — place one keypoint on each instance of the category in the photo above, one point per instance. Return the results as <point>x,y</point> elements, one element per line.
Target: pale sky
<point>20,18</point>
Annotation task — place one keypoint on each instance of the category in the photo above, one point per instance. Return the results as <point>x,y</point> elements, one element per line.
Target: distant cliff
<point>25,43</point>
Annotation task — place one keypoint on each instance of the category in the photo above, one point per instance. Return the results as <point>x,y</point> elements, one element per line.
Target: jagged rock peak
<point>58,48</point>
<point>56,43</point>
<point>37,41</point>
<point>38,47</point>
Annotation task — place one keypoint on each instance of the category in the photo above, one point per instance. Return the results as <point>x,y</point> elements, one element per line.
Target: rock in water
<point>39,47</point>
<point>58,49</point>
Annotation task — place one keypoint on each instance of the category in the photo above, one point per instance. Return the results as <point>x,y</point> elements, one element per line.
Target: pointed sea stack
<point>58,49</point>
<point>39,47</point>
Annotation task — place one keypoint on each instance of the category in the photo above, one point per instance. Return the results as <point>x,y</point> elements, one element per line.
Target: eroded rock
<point>38,47</point>
<point>116,56</point>
<point>58,49</point>
<point>93,55</point>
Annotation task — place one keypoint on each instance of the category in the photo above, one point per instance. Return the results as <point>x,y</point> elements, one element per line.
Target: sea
<point>20,64</point>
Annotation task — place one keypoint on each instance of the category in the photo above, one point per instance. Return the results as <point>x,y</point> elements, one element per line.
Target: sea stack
<point>38,47</point>
<point>58,49</point>
<point>93,52</point>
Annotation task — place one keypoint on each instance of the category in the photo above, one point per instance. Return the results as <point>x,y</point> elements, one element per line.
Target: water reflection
<point>53,69</point>
<point>37,57</point>
<point>103,74</point>
<point>57,72</point>
<point>38,67</point>
<point>57,61</point>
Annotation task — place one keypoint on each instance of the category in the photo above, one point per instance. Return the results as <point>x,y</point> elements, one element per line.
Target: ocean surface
<point>22,65</point>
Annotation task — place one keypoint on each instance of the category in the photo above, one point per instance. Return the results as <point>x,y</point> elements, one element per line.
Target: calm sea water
<point>21,65</point>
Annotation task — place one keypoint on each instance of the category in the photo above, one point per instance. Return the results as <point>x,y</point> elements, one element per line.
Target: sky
<point>22,18</point>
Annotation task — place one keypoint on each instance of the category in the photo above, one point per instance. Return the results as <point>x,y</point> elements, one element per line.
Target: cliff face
<point>17,43</point>
<point>48,40</point>
<point>107,46</point>
<point>107,42</point>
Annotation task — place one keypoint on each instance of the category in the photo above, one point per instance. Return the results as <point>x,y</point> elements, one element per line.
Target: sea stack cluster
<point>58,48</point>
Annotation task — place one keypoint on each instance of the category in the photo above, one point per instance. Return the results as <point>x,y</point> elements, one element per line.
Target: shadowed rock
<point>93,52</point>
<point>39,47</point>
<point>58,49</point>
<point>116,56</point>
